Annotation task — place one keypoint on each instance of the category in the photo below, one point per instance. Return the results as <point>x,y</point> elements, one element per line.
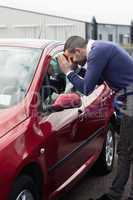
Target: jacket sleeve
<point>97,61</point>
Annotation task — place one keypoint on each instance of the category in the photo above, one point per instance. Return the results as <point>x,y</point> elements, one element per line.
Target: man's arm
<point>95,66</point>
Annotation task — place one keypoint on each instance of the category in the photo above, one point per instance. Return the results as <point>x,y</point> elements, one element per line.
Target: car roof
<point>34,43</point>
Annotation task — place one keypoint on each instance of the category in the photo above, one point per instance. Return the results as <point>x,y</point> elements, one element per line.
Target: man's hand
<point>65,65</point>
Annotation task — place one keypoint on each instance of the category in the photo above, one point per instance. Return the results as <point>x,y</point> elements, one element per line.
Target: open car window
<point>56,82</point>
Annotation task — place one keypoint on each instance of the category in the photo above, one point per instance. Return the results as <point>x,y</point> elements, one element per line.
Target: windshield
<point>17,68</point>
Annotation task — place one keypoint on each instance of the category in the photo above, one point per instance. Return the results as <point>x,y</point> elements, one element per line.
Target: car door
<point>70,141</point>
<point>94,118</point>
<point>61,143</point>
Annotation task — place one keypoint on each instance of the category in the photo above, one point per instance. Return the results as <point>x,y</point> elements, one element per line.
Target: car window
<point>17,68</point>
<point>55,82</point>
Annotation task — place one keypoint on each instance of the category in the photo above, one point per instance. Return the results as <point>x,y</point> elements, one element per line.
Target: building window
<point>100,36</point>
<point>126,38</point>
<point>121,38</point>
<point>110,37</point>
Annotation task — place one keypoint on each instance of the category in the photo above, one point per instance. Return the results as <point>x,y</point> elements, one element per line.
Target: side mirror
<point>64,101</point>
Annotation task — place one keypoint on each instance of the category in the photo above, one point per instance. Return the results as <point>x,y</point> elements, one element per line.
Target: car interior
<point>56,83</point>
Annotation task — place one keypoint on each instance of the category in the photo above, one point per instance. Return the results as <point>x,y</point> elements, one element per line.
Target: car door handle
<point>81,115</point>
<point>80,111</point>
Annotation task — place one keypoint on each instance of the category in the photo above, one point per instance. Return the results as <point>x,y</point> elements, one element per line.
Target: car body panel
<point>64,144</point>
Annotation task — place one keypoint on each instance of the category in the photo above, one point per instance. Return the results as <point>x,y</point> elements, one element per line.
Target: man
<point>108,62</point>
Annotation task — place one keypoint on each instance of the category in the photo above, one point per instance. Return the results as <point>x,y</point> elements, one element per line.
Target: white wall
<point>23,24</point>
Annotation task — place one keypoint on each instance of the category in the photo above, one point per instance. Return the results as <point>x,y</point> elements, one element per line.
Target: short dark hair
<point>74,42</point>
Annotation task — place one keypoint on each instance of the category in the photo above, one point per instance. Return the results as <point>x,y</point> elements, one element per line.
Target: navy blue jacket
<point>108,62</point>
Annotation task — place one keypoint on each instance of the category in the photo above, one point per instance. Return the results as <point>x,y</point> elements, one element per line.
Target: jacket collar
<point>89,45</point>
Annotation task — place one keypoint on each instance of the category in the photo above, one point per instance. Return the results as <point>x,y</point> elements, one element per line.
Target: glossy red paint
<point>72,139</point>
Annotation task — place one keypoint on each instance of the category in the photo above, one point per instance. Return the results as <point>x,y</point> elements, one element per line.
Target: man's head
<point>75,49</point>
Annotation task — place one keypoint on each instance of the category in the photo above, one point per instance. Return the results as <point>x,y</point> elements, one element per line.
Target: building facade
<point>17,23</point>
<point>25,24</point>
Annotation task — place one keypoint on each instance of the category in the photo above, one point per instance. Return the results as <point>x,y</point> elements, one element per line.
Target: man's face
<point>78,57</point>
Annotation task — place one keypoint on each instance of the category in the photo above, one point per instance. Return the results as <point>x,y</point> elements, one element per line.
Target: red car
<point>50,134</point>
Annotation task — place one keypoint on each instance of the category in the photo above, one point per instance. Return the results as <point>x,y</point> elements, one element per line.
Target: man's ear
<point>77,50</point>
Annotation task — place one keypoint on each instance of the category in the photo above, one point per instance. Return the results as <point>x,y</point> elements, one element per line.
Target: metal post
<point>131,32</point>
<point>94,28</point>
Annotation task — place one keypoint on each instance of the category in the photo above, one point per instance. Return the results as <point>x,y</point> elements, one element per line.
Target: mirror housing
<point>64,101</point>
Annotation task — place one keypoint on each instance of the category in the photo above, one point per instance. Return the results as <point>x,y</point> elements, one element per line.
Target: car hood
<point>10,118</point>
